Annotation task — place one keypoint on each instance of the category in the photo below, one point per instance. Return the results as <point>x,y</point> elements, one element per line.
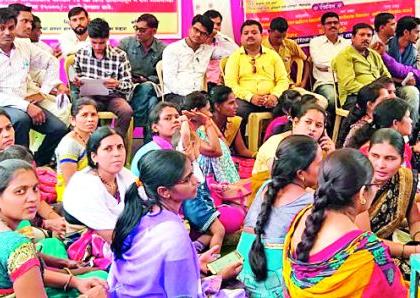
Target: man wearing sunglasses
<point>185,62</point>
<point>256,74</point>
<point>143,51</point>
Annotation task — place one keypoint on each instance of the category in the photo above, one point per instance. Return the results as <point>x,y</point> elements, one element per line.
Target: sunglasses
<point>254,67</point>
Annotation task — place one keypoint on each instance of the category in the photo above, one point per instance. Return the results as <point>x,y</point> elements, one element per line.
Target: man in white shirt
<point>76,38</point>
<point>185,62</point>
<point>223,46</point>
<point>35,38</point>
<point>36,76</point>
<point>323,49</point>
<point>17,59</point>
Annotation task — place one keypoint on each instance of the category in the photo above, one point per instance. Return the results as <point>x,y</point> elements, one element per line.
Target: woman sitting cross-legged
<point>394,207</point>
<point>7,132</point>
<point>276,204</point>
<point>202,215</point>
<point>325,253</point>
<point>308,119</point>
<point>21,272</point>
<point>71,151</point>
<point>368,98</point>
<point>153,254</point>
<point>224,116</point>
<point>212,162</point>
<point>94,196</point>
<point>391,113</point>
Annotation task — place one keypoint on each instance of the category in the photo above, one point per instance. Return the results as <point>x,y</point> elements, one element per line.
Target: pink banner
<point>304,16</point>
<point>119,13</point>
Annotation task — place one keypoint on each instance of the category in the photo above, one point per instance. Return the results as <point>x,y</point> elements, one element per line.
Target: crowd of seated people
<point>308,218</point>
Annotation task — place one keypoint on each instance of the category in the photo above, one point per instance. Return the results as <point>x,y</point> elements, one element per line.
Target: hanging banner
<point>118,13</point>
<point>303,16</point>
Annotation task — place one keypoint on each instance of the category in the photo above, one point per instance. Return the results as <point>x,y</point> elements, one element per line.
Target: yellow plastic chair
<point>222,65</point>
<point>339,112</point>
<point>68,68</point>
<point>255,121</point>
<point>299,69</point>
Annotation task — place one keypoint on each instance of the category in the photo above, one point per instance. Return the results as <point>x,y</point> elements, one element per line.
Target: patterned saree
<point>356,265</point>
<point>391,207</point>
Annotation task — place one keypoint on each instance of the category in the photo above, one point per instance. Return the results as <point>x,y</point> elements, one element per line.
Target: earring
<point>363,201</point>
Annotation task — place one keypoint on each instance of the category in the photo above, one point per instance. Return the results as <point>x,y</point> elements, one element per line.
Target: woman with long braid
<point>325,253</point>
<point>276,204</point>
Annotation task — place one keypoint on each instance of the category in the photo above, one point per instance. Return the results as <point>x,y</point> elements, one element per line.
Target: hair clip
<point>139,183</point>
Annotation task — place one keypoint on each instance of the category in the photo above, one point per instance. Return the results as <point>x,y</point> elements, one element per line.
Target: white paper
<point>93,87</point>
<point>62,101</point>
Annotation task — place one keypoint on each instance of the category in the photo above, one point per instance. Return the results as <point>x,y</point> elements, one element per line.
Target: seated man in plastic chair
<point>98,60</point>
<point>143,51</point>
<point>185,61</point>
<point>18,58</point>
<point>357,65</point>
<point>289,50</point>
<point>255,73</point>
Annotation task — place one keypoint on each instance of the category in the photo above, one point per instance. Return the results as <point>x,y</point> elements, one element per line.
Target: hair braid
<point>257,258</point>
<point>313,222</point>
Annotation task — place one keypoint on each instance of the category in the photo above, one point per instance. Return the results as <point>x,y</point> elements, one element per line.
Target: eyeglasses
<point>254,67</point>
<point>331,23</point>
<point>139,29</point>
<point>187,179</point>
<point>202,33</point>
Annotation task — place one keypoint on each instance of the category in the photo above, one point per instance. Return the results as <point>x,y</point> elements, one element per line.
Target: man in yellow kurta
<point>357,65</point>
<point>289,50</point>
<point>256,74</point>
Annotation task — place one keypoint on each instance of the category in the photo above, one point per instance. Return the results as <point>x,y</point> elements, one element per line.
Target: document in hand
<point>93,87</point>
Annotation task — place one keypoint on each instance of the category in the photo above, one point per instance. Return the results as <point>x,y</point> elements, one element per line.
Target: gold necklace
<point>84,141</point>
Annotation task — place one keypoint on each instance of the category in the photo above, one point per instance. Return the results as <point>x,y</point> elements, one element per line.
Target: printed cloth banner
<point>303,16</point>
<point>118,13</point>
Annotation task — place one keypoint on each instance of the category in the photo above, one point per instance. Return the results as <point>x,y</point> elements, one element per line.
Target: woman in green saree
<point>22,273</point>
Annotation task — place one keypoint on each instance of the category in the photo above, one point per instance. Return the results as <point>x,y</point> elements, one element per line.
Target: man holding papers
<point>98,64</point>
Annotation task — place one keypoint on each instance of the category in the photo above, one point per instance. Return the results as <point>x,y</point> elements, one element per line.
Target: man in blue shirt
<point>143,51</point>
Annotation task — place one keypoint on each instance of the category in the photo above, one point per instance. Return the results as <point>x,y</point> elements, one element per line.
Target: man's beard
<point>80,30</point>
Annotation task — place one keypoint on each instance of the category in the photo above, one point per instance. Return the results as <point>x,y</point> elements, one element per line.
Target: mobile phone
<point>218,265</point>
<point>409,76</point>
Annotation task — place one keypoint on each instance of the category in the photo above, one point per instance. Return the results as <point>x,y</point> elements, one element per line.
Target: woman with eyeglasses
<point>394,205</point>
<point>164,124</point>
<point>153,253</point>
<point>326,254</point>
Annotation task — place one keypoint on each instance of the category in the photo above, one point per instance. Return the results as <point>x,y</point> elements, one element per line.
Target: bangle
<point>402,252</point>
<point>415,234</point>
<point>68,283</point>
<point>47,217</point>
